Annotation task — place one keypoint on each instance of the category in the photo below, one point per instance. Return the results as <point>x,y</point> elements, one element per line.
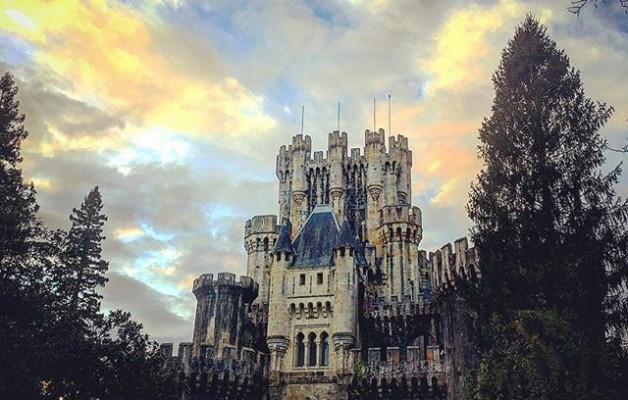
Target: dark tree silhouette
<point>18,222</point>
<point>550,231</point>
<point>85,269</point>
<point>54,341</point>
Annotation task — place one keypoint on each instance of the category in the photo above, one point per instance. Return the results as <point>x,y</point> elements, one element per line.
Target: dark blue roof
<point>314,243</point>
<point>283,241</point>
<point>344,238</point>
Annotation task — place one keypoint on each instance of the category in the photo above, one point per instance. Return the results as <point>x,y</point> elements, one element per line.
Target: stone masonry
<point>338,301</point>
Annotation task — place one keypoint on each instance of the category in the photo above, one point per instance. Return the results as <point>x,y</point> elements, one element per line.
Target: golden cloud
<point>462,43</point>
<point>106,51</point>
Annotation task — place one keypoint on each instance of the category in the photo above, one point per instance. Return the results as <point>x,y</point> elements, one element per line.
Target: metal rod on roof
<point>302,113</point>
<point>374,114</point>
<point>338,117</point>
<point>389,118</point>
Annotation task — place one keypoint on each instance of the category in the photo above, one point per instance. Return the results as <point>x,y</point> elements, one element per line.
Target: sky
<point>176,110</point>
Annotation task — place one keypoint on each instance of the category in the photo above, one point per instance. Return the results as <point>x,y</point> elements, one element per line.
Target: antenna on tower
<point>374,114</point>
<point>302,113</point>
<point>338,127</point>
<point>389,118</point>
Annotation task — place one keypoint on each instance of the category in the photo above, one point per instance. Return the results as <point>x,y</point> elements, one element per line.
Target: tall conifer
<point>86,268</point>
<point>550,230</point>
<point>18,222</point>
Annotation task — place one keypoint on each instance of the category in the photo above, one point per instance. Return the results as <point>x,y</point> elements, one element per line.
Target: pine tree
<point>85,267</point>
<point>550,230</point>
<point>18,222</point>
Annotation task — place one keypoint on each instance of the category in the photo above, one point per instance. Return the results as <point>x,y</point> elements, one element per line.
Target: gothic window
<point>300,350</point>
<point>324,349</point>
<point>265,244</point>
<point>302,280</point>
<point>319,278</point>
<point>313,350</point>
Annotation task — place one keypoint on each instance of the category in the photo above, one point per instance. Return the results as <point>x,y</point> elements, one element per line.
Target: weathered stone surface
<point>332,310</point>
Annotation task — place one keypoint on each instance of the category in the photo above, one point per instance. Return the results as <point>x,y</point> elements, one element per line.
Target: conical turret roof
<point>283,241</point>
<point>344,238</point>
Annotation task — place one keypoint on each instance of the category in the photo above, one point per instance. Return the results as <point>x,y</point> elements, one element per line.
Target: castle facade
<point>338,301</point>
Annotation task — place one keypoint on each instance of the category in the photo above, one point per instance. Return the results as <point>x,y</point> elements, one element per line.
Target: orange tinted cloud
<point>462,43</point>
<point>106,50</point>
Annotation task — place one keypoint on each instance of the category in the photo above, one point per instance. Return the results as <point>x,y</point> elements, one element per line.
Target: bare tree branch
<point>578,5</point>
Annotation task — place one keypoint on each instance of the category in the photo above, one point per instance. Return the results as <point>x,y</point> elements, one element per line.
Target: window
<point>302,280</point>
<point>300,350</point>
<point>313,350</point>
<point>324,349</point>
<point>319,278</point>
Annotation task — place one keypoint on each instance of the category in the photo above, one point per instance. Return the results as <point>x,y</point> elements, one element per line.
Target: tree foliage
<point>85,269</point>
<point>19,226</point>
<point>54,340</point>
<point>549,229</point>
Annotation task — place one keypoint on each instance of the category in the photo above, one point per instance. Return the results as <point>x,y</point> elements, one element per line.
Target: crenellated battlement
<point>338,140</point>
<point>356,155</point>
<point>401,213</point>
<point>398,143</point>
<point>301,143</point>
<point>388,373</point>
<point>453,263</point>
<point>229,375</point>
<point>375,139</point>
<point>261,224</point>
<point>206,285</point>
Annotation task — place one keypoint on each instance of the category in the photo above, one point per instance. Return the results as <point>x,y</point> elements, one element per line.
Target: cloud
<point>176,110</point>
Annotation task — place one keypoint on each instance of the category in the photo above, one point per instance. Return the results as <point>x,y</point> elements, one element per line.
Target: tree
<point>18,221</point>
<point>549,229</point>
<point>578,5</point>
<point>54,340</point>
<point>85,269</point>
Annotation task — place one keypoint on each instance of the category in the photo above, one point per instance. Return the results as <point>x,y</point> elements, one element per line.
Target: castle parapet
<point>206,282</point>
<point>299,142</point>
<point>398,143</point>
<point>337,139</point>
<point>400,308</point>
<point>386,372</point>
<point>376,139</point>
<point>261,224</point>
<point>401,213</point>
<point>452,264</point>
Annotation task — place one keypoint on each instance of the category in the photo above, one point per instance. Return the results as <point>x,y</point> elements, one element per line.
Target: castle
<point>338,301</point>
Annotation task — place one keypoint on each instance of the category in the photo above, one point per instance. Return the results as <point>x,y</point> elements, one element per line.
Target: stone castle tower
<point>338,301</point>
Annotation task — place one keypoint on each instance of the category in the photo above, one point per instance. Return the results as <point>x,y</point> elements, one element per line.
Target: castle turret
<point>345,301</point>
<point>336,156</point>
<point>220,311</point>
<point>375,154</point>
<point>300,151</point>
<point>260,235</point>
<point>400,230</point>
<point>278,334</point>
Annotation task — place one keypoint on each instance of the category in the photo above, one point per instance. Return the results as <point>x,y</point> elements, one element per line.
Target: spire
<point>344,238</point>
<point>283,241</point>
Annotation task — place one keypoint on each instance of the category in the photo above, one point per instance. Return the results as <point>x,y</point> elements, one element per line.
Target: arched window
<point>265,244</point>
<point>324,349</point>
<point>300,350</point>
<point>313,350</point>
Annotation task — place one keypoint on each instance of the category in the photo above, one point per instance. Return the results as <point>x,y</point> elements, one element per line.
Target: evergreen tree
<point>85,270</point>
<point>549,229</point>
<point>18,222</point>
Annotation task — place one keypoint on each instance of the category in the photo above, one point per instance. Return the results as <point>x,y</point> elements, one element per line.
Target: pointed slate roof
<point>314,243</point>
<point>283,241</point>
<point>344,238</point>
